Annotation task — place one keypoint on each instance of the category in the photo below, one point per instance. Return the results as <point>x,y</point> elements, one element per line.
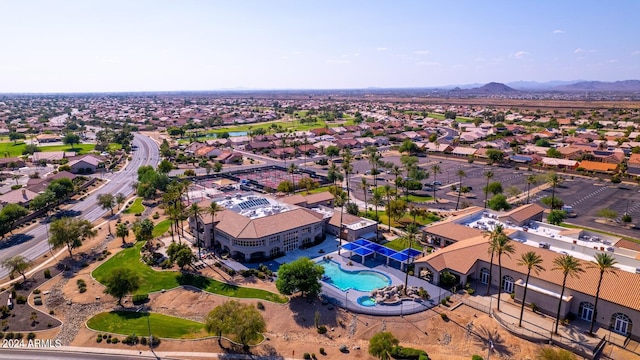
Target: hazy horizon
<point>165,46</point>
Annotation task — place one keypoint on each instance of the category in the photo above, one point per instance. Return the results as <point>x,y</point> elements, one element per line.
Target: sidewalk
<point>142,354</point>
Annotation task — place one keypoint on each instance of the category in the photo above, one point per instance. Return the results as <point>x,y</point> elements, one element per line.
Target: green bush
<point>322,351</point>
<point>443,301</point>
<point>260,306</point>
<point>400,352</point>
<point>140,298</point>
<point>9,335</point>
<point>143,341</point>
<point>31,336</point>
<point>322,329</point>
<point>37,301</point>
<point>115,340</point>
<point>444,316</point>
<point>470,291</point>
<point>19,336</point>
<point>21,299</point>
<point>306,356</point>
<point>476,357</point>
<point>36,291</point>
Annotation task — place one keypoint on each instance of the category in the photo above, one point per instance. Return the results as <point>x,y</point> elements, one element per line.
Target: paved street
<point>33,243</point>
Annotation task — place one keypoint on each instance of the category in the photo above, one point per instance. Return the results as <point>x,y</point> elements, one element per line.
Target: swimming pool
<point>362,280</point>
<point>366,301</point>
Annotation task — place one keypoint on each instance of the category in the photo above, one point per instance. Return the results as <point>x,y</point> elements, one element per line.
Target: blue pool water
<point>362,280</point>
<point>366,301</point>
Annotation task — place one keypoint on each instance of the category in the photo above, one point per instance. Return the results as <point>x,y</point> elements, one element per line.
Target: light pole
<point>346,304</point>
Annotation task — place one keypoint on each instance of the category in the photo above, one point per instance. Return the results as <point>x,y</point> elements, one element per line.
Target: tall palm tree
<point>532,261</point>
<point>605,263</point>
<point>333,173</point>
<point>292,169</point>
<point>196,211</point>
<point>373,156</point>
<point>460,174</point>
<point>531,180</point>
<point>410,236</point>
<point>569,266</point>
<point>388,194</point>
<point>502,245</point>
<point>340,200</point>
<point>347,167</point>
<point>364,186</point>
<point>397,172</point>
<point>435,169</point>
<point>554,180</point>
<point>213,209</point>
<point>488,175</point>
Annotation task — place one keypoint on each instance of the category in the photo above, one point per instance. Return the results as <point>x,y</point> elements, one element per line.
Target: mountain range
<point>560,86</point>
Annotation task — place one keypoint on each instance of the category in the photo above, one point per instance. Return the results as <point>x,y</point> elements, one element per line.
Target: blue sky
<point>77,46</point>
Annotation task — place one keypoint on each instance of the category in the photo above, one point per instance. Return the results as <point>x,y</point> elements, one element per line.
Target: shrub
<point>9,335</point>
<point>343,348</point>
<point>448,298</point>
<point>513,295</point>
<point>108,341</point>
<point>21,299</point>
<point>19,336</point>
<point>313,356</point>
<point>443,301</point>
<point>260,306</point>
<point>322,329</point>
<point>82,290</point>
<point>31,336</point>
<point>444,316</point>
<point>476,357</point>
<point>400,352</point>
<point>156,216</point>
<point>37,301</point>
<point>470,291</point>
<point>322,351</point>
<point>51,312</point>
<point>99,338</point>
<point>140,298</point>
<point>115,340</point>
<point>143,341</point>
<point>306,356</point>
<point>36,291</point>
<point>138,214</point>
<point>155,341</point>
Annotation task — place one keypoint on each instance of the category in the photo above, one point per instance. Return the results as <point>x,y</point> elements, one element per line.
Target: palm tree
<point>334,174</point>
<point>395,170</point>
<point>435,169</point>
<point>340,200</point>
<point>569,266</point>
<point>554,180</point>
<point>411,231</point>
<point>347,157</point>
<point>488,175</point>
<point>213,209</point>
<point>292,169</point>
<point>374,160</point>
<point>195,210</point>
<point>501,245</point>
<point>531,180</point>
<point>364,186</point>
<point>605,263</point>
<point>460,174</point>
<point>532,261</point>
<point>122,230</point>
<point>388,194</point>
<point>415,211</point>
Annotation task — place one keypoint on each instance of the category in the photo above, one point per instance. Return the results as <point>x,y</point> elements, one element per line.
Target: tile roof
<point>461,256</point>
<point>241,227</point>
<point>523,213</point>
<point>453,231</point>
<point>598,166</point>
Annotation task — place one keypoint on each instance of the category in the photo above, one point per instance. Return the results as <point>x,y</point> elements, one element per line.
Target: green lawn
<point>317,190</point>
<point>151,280</point>
<point>400,244</point>
<point>161,228</point>
<point>12,150</point>
<point>136,207</point>
<point>162,326</point>
<point>417,198</point>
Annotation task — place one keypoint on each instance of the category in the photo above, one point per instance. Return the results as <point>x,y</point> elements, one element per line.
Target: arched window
<point>585,312</point>
<point>484,275</point>
<point>621,323</point>
<point>507,283</point>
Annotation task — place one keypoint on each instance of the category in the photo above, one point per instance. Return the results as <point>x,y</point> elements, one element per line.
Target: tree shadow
<point>15,239</point>
<point>487,338</point>
<point>304,312</point>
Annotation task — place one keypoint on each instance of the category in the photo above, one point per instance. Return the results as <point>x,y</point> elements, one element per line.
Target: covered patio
<point>363,248</point>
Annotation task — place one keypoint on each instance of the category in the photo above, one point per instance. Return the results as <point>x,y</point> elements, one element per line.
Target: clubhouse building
<point>253,227</point>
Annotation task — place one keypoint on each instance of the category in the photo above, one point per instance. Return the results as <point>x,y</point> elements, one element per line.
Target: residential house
<point>21,197</point>
<point>87,164</point>
<point>633,165</point>
<point>599,167</point>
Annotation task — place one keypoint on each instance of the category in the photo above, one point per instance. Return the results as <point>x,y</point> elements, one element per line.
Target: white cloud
<point>578,51</point>
<point>337,61</point>
<point>520,54</point>
<point>427,63</point>
<point>422,52</point>
<point>382,49</point>
<point>558,31</point>
<point>637,52</point>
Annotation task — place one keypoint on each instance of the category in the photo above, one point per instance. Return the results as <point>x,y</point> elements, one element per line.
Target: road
<point>33,243</point>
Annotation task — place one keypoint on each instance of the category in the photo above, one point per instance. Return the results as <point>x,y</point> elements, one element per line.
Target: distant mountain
<point>619,86</point>
<point>493,88</point>
<point>534,85</point>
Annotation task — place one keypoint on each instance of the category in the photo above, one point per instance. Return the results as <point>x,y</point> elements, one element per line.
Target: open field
<point>15,149</point>
<point>152,280</point>
<point>161,228</point>
<point>136,207</point>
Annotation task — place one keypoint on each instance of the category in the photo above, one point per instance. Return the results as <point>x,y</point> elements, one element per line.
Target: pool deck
<point>349,299</point>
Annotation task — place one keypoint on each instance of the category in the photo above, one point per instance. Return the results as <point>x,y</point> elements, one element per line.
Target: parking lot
<point>586,195</point>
